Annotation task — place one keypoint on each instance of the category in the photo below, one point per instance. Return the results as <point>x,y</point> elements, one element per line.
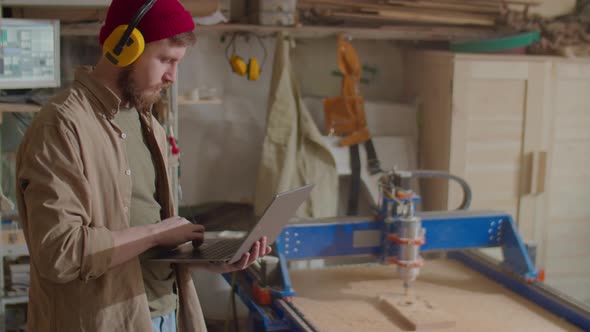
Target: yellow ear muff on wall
<point>253,69</point>
<point>129,52</point>
<point>238,65</point>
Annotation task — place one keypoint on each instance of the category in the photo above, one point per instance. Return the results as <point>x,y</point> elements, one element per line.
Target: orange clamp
<point>400,240</point>
<point>416,263</point>
<point>261,294</point>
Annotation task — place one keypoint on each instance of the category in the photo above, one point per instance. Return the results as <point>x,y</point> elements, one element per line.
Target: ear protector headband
<point>252,69</point>
<point>126,43</point>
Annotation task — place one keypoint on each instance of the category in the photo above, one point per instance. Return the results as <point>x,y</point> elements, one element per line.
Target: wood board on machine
<point>345,298</point>
<point>417,313</point>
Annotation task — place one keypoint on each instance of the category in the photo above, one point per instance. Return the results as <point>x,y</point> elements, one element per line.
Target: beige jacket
<point>294,153</point>
<point>74,189</point>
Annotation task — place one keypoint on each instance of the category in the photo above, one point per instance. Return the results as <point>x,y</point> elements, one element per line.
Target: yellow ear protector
<point>251,70</point>
<point>125,44</point>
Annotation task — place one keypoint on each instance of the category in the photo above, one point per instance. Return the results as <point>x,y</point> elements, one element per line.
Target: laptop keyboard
<point>219,250</point>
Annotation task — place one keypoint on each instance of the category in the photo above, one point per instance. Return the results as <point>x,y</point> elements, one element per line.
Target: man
<point>94,198</point>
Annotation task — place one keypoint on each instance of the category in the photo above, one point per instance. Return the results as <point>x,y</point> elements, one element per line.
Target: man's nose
<point>170,76</point>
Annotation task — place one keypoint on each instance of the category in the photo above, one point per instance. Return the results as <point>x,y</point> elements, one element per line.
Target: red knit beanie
<point>165,19</point>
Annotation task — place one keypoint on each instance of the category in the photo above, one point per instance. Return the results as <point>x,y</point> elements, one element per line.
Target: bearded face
<point>141,83</point>
<point>138,92</point>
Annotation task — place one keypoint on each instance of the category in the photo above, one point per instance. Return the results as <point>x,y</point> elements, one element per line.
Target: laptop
<point>230,250</point>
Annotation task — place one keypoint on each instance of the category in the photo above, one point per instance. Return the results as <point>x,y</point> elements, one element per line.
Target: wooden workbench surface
<point>344,298</point>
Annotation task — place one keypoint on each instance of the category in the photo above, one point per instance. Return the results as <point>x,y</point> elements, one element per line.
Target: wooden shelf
<point>14,249</point>
<point>17,299</point>
<point>212,101</point>
<point>386,33</point>
<point>19,108</point>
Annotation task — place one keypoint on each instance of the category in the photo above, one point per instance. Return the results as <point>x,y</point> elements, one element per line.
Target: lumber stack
<point>566,35</point>
<point>477,13</point>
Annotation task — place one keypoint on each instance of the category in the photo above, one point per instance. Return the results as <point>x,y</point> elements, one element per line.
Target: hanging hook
<point>263,48</point>
<point>232,45</point>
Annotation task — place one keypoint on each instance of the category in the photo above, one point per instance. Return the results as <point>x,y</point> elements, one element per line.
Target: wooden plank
<point>448,6</point>
<point>418,313</point>
<point>418,17</point>
<point>440,12</point>
<point>415,14</point>
<point>496,2</point>
<point>372,5</point>
<point>479,3</point>
<point>349,4</point>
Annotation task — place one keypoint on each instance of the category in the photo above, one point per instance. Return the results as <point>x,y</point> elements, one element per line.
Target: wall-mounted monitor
<point>29,54</point>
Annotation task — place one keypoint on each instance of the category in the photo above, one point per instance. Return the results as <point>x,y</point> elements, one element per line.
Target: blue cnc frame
<point>445,231</point>
<point>453,230</point>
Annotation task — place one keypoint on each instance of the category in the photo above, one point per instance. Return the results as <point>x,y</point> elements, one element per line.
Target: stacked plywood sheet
<point>390,12</point>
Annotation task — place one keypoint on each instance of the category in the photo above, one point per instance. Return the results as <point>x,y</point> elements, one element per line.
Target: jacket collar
<point>107,98</point>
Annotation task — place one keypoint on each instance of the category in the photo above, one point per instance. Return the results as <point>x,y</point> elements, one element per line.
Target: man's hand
<point>259,249</point>
<point>133,241</point>
<point>176,230</point>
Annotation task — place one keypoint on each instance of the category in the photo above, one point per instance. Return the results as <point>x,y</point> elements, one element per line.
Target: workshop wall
<point>221,144</point>
<point>315,63</point>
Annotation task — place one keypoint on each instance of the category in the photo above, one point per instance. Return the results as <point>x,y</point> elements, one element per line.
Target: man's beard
<point>132,94</point>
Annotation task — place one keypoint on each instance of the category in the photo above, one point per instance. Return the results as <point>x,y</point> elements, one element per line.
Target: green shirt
<point>158,277</point>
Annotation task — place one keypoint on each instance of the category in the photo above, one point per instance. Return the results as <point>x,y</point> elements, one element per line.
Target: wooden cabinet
<point>480,118</point>
<point>517,128</point>
<point>566,210</point>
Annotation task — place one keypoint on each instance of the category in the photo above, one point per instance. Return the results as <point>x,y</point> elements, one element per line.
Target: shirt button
<point>128,172</point>
<point>123,136</point>
<point>125,208</point>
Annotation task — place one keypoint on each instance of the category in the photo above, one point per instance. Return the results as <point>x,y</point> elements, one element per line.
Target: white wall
<point>315,60</point>
<point>221,144</point>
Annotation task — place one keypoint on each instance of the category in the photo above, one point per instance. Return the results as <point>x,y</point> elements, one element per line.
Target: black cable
<point>355,180</point>
<point>263,48</point>
<point>373,164</point>
<point>467,195</point>
<point>230,44</point>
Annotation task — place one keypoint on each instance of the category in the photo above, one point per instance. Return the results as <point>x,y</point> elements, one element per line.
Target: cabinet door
<point>567,230</point>
<point>498,105</point>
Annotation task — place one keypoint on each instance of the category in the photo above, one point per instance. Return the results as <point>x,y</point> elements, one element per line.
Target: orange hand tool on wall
<point>345,114</point>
